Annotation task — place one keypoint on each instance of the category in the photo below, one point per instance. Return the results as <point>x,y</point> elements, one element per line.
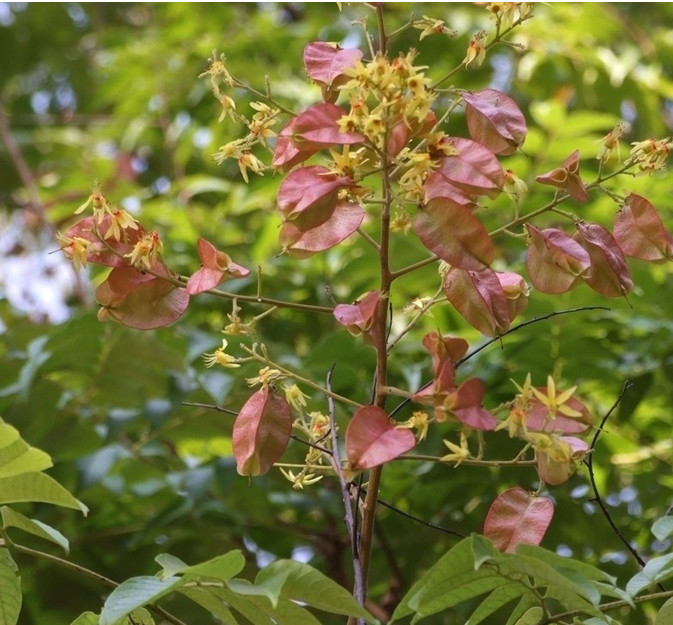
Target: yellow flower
<point>476,52</point>
<point>266,376</point>
<point>121,220</point>
<point>75,248</point>
<point>250,161</point>
<point>220,357</point>
<point>146,251</point>
<point>295,397</point>
<point>419,421</point>
<point>556,403</point>
<point>459,453</point>
<point>303,478</point>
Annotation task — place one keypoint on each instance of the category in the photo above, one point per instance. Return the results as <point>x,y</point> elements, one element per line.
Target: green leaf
<point>248,589</point>
<point>483,550</point>
<point>527,603</point>
<point>10,589</point>
<point>10,518</point>
<point>500,597</point>
<point>562,563</point>
<point>8,435</point>
<point>16,456</point>
<point>665,614</point>
<point>87,618</point>
<point>139,617</point>
<point>170,565</point>
<point>532,616</point>
<point>656,570</point>
<point>222,567</point>
<point>662,528</point>
<point>296,581</point>
<point>247,607</point>
<point>135,593</point>
<point>37,487</point>
<point>209,600</point>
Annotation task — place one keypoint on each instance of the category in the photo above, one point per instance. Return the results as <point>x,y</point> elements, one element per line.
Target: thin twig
<point>349,517</point>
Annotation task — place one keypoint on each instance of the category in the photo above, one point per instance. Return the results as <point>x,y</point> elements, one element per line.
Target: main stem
<point>380,337</point>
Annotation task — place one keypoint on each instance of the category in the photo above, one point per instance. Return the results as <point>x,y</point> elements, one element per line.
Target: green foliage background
<point>109,92</point>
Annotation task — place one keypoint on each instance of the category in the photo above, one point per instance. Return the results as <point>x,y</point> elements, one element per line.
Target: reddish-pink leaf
<point>567,177</point>
<point>343,222</point>
<point>359,317</point>
<point>466,405</point>
<point>140,300</point>
<point>553,472</point>
<point>317,128</point>
<point>372,439</point>
<point>555,262</point>
<point>437,186</point>
<point>453,233</point>
<point>399,136</point>
<point>261,432</point>
<point>610,275</point>
<point>516,291</point>
<point>479,298</point>
<point>518,517</point>
<point>308,196</point>
<point>286,154</point>
<point>475,169</point>
<point>495,120</point>
<point>640,232</point>
<point>216,266</point>
<point>325,63</point>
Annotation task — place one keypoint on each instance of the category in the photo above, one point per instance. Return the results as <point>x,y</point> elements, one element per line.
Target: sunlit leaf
<point>11,518</point>
<point>134,593</point>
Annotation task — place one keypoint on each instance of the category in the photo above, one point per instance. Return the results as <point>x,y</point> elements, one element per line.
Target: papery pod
<point>516,291</point>
<point>556,263</point>
<point>567,177</point>
<point>557,468</point>
<point>373,439</point>
<point>437,186</point>
<point>359,318</point>
<point>495,120</point>
<point>540,419</point>
<point>325,64</point>
<point>317,128</point>
<point>444,348</point>
<point>640,232</point>
<point>465,404</point>
<point>479,298</point>
<point>216,267</point>
<point>308,196</point>
<point>474,168</point>
<point>518,517</point>
<point>261,432</point>
<point>139,299</point>
<point>453,233</point>
<point>610,275</point>
<point>344,221</point>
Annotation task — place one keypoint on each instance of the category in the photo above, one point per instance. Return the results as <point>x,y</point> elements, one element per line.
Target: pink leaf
<point>468,409</point>
<point>610,275</point>
<point>325,63</point>
<point>261,432</point>
<point>344,221</point>
<point>495,120</point>
<point>518,517</point>
<point>437,186</point>
<point>555,262</point>
<point>308,196</point>
<point>453,233</point>
<point>372,439</point>
<point>286,154</point>
<point>640,232</point>
<point>317,127</point>
<point>140,300</point>
<point>216,267</point>
<point>475,169</point>
<point>479,298</point>
<point>359,317</point>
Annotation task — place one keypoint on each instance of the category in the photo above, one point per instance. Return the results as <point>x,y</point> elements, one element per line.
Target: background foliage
<point>110,92</point>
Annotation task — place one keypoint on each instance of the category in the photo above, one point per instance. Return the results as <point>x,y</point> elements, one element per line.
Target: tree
<point>179,457</point>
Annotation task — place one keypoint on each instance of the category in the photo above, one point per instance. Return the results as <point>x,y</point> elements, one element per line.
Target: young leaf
<point>325,64</point>
<point>656,570</point>
<point>567,177</point>
<point>453,233</point>
<point>517,517</point>
<point>299,582</point>
<point>11,518</point>
<point>372,439</point>
<point>134,593</point>
<point>640,232</point>
<point>222,567</point>
<point>555,262</point>
<point>261,432</point>
<point>10,589</point>
<point>495,120</point>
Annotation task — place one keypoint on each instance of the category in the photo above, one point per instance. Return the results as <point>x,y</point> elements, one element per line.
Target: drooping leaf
<point>10,589</point>
<point>261,432</point>
<point>610,275</point>
<point>134,593</point>
<point>555,261</point>
<point>640,232</point>
<point>474,168</point>
<point>453,233</point>
<point>479,298</point>
<point>11,518</point>
<point>299,582</point>
<point>140,300</point>
<point>372,439</point>
<point>344,221</point>
<point>495,120</point>
<point>29,487</point>
<point>517,517</point>
<point>656,570</point>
